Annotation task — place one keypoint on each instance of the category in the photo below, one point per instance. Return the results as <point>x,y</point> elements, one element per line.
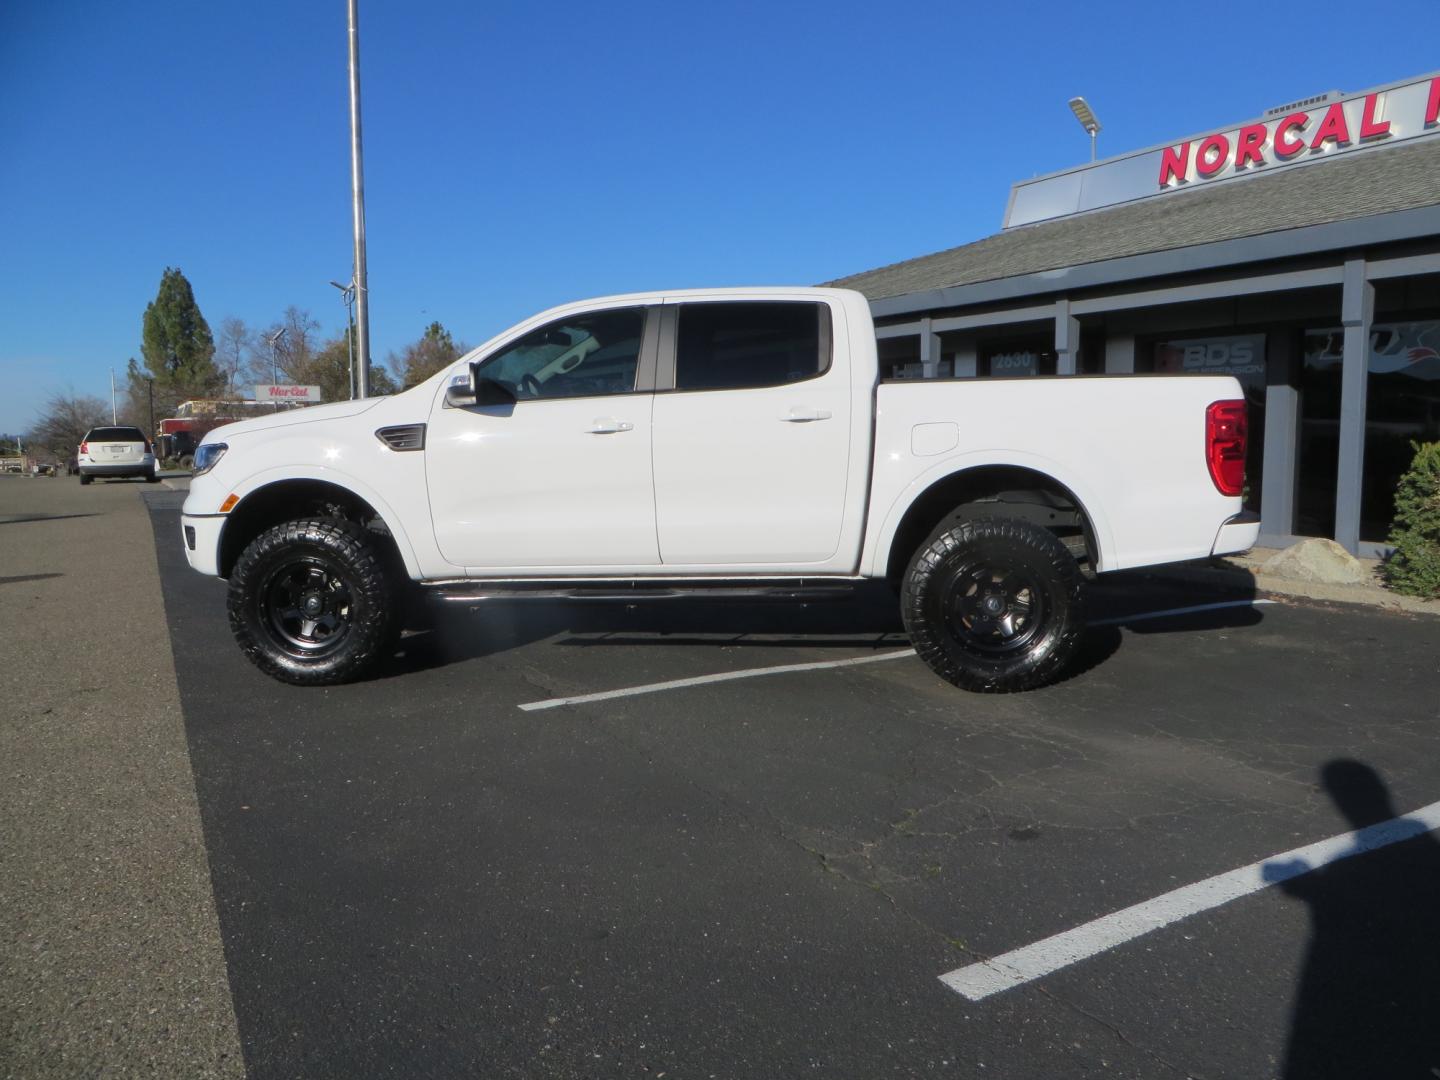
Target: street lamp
<point>1081,108</point>
<point>347,297</point>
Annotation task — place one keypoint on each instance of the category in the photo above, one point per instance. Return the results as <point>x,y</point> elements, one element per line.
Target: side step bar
<point>630,590</point>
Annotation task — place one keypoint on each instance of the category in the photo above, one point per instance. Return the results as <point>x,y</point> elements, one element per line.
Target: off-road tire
<point>337,563</point>
<point>1025,572</point>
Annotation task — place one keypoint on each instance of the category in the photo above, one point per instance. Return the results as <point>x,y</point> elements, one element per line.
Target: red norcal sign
<point>1312,130</point>
<point>1342,125</point>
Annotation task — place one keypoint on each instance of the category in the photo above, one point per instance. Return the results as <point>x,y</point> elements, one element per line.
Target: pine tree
<point>1414,568</point>
<point>421,359</point>
<point>176,343</point>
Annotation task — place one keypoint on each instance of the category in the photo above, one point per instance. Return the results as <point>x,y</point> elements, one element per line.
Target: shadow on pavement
<point>24,519</point>
<point>870,618</point>
<point>19,578</point>
<point>1367,1004</point>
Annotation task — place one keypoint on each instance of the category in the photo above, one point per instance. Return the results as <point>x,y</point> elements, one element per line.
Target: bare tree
<point>233,351</point>
<point>63,422</point>
<point>294,351</point>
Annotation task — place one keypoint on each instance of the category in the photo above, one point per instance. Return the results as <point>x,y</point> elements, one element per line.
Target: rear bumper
<point>144,468</point>
<point>1237,534</point>
<point>200,538</point>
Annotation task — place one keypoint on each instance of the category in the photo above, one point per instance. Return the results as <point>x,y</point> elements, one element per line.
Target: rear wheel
<point>84,479</point>
<point>312,602</point>
<point>993,605</point>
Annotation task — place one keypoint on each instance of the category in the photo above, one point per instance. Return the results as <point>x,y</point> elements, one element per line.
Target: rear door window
<point>734,346</point>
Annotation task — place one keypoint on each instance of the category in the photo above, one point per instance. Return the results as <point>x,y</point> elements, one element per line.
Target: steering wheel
<point>530,385</point>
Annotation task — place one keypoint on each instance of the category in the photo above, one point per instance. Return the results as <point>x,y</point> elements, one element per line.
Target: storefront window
<point>1240,355</point>
<point>1402,404</point>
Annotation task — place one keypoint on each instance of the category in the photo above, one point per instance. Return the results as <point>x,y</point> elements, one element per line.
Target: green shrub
<point>1415,566</point>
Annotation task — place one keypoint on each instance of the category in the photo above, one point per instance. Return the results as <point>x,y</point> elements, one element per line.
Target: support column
<point>1120,354</point>
<point>1282,441</point>
<point>967,358</point>
<point>929,350</point>
<point>1357,311</point>
<point>1067,339</point>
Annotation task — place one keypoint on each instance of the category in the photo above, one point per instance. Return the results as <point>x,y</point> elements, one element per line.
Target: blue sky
<point>522,154</point>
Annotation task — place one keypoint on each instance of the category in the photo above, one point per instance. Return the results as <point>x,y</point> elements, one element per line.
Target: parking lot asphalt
<point>766,876</point>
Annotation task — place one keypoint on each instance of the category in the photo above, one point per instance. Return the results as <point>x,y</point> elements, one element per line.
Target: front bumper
<point>200,537</point>
<point>1238,534</point>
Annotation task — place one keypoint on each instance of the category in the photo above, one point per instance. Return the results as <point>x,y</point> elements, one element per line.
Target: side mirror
<point>490,392</point>
<point>478,390</point>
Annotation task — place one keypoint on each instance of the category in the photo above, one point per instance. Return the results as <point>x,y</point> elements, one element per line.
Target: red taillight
<point>84,447</point>
<point>1225,434</point>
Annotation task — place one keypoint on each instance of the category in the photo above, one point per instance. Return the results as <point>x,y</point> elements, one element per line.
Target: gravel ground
<point>110,954</point>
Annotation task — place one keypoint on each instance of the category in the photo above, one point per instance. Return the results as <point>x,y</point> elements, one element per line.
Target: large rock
<point>1318,560</point>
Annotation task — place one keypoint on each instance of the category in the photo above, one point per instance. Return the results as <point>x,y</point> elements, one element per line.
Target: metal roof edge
<point>1285,243</point>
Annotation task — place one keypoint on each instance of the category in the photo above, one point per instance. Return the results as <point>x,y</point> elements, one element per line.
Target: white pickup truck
<point>734,442</point>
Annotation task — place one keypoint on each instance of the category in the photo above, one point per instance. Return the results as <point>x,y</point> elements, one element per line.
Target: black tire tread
<point>930,640</point>
<point>354,545</point>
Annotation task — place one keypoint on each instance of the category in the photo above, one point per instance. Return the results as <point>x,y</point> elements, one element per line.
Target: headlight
<point>207,455</point>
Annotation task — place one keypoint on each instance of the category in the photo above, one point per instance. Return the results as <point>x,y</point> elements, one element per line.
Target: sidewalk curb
<point>1235,573</point>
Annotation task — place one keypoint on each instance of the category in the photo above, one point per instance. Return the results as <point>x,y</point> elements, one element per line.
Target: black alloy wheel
<point>312,602</point>
<point>993,605</point>
<point>308,605</point>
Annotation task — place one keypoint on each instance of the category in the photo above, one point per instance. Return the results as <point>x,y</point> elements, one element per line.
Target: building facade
<point>1299,252</point>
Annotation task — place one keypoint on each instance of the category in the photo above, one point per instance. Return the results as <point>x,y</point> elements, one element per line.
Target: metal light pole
<point>1081,108</point>
<point>347,297</point>
<point>113,420</point>
<point>357,198</point>
<point>274,340</point>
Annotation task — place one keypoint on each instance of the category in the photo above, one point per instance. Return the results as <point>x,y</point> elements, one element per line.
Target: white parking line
<point>700,680</point>
<point>1121,621</point>
<point>1011,969</point>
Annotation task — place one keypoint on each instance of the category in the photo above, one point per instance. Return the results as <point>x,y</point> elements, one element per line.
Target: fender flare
<point>266,478</point>
<point>1085,498</point>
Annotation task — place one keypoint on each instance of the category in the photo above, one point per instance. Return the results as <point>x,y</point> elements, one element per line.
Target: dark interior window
<point>734,346</point>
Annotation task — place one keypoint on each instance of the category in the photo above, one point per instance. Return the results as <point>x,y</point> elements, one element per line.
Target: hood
<point>290,417</point>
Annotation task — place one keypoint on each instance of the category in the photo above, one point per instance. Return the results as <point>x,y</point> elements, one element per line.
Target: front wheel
<point>311,602</point>
<point>994,605</point>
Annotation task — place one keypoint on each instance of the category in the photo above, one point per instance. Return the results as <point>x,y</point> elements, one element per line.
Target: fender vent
<point>403,436</point>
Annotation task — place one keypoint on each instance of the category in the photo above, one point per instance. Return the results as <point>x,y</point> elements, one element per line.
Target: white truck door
<point>562,477</point>
<point>752,434</point>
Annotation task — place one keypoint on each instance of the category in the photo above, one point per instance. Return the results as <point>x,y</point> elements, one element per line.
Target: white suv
<point>116,452</point>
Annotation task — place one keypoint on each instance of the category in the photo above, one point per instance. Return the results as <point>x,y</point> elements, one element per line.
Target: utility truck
<point>716,443</point>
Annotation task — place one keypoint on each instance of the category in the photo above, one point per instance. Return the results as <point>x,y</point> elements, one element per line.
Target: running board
<point>630,590</point>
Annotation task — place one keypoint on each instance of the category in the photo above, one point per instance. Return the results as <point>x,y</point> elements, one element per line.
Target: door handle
<point>803,416</point>
<point>607,426</point>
